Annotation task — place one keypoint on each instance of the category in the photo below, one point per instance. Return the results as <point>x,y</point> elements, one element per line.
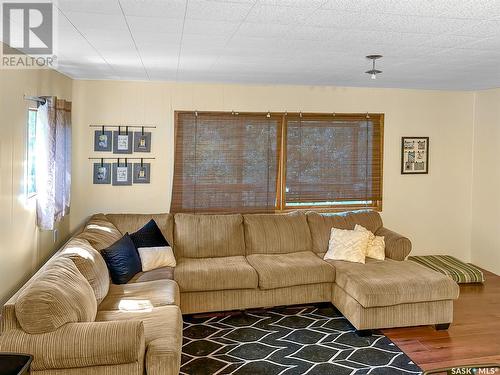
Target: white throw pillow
<point>156,257</point>
<point>376,244</point>
<point>349,245</point>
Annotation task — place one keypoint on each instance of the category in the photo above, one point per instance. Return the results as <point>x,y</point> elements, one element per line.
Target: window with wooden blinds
<point>333,161</point>
<point>226,162</point>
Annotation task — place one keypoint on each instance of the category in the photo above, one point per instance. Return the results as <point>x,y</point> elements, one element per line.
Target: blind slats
<point>333,160</point>
<point>231,163</point>
<point>225,163</point>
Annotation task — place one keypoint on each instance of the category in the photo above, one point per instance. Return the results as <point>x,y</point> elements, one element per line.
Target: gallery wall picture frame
<point>414,155</point>
<point>102,173</point>
<point>122,174</point>
<point>103,140</point>
<point>122,141</point>
<point>142,141</point>
<point>142,173</point>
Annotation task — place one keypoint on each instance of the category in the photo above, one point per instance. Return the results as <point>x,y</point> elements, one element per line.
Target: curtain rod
<point>117,157</point>
<point>124,126</point>
<point>38,99</point>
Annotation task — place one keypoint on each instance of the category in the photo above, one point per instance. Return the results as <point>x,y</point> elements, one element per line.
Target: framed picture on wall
<point>122,142</point>
<point>142,173</point>
<point>102,173</point>
<point>142,141</point>
<point>103,140</point>
<point>122,174</point>
<point>414,155</point>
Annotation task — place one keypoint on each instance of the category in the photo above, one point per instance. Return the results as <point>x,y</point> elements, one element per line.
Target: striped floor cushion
<point>459,271</point>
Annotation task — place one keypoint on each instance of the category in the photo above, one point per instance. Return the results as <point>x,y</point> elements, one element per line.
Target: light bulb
<point>374,76</point>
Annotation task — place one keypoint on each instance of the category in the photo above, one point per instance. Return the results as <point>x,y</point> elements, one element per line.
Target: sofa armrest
<point>397,247</point>
<point>80,344</point>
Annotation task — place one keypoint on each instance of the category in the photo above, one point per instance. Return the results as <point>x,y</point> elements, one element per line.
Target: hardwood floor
<point>473,337</point>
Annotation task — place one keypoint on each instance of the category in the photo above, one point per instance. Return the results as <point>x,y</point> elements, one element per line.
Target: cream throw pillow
<point>376,244</point>
<point>156,257</point>
<point>349,245</point>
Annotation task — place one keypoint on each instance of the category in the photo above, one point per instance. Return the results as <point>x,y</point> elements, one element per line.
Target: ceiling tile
<point>217,10</point>
<point>209,28</point>
<point>278,14</point>
<point>90,6</point>
<point>170,9</point>
<point>84,21</point>
<point>263,30</point>
<point>154,25</point>
<point>433,8</point>
<point>482,29</point>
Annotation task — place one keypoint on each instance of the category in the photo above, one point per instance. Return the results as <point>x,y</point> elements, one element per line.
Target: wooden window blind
<point>226,162</point>
<point>333,161</point>
<point>259,162</point>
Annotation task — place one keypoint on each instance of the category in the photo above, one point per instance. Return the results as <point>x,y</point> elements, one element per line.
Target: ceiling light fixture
<point>373,72</point>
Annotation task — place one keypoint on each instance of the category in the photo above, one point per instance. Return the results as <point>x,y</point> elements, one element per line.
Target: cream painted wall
<point>22,247</point>
<point>485,248</point>
<point>433,210</point>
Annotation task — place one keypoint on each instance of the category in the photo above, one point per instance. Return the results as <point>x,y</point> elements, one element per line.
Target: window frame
<point>280,204</point>
<point>29,194</point>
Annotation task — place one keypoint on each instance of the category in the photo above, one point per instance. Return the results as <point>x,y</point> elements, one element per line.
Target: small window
<point>31,157</point>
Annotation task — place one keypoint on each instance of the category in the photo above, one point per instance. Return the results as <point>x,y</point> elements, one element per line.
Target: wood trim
<point>283,162</point>
<point>379,203</point>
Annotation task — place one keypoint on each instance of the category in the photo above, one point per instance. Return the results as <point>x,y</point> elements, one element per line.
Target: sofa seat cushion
<point>284,270</point>
<point>390,282</point>
<point>139,296</point>
<point>163,273</point>
<point>203,274</point>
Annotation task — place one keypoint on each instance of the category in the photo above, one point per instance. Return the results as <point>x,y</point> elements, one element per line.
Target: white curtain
<point>53,161</point>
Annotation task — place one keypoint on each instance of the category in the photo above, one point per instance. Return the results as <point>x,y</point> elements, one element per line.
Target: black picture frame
<point>103,140</point>
<point>142,142</point>
<point>119,171</point>
<point>414,155</point>
<point>142,173</point>
<point>102,173</point>
<point>119,139</point>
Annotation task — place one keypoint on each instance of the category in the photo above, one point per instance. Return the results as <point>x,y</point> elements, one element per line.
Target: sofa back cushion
<point>369,219</point>
<point>58,296</point>
<point>322,224</point>
<point>208,236</point>
<point>276,233</point>
<point>90,264</point>
<point>133,222</point>
<point>100,232</point>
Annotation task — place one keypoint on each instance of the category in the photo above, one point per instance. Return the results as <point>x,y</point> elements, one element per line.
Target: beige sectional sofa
<point>224,262</point>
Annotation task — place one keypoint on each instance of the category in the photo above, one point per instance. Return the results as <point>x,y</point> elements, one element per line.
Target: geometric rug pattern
<point>294,340</point>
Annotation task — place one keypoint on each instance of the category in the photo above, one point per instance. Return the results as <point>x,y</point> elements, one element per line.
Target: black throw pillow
<point>122,260</point>
<point>149,236</point>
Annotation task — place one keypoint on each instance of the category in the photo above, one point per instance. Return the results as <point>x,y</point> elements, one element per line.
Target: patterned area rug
<point>289,341</point>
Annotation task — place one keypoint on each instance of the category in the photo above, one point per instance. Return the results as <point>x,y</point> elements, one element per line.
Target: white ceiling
<point>432,44</point>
